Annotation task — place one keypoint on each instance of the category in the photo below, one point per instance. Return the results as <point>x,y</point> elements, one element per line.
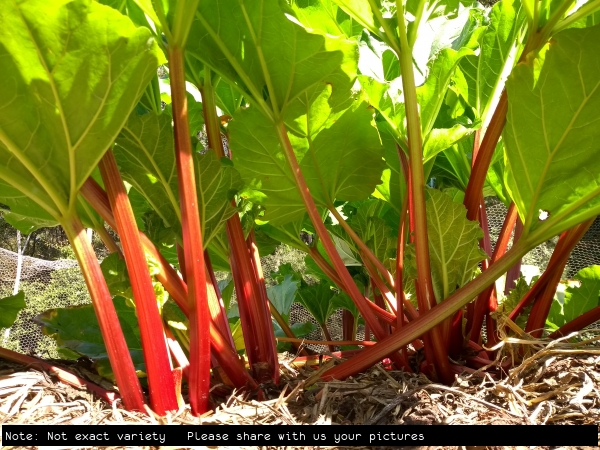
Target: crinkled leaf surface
<point>432,93</point>
<point>274,60</point>
<point>578,300</point>
<point>218,182</point>
<point>340,162</point>
<point>10,308</point>
<point>326,16</point>
<point>318,300</point>
<point>146,160</point>
<point>453,244</point>
<point>73,72</point>
<point>360,10</point>
<point>552,134</point>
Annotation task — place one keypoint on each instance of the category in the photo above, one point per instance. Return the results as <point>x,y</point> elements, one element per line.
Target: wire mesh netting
<point>59,283</point>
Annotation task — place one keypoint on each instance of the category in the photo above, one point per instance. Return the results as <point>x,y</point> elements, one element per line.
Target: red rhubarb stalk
<point>160,379</point>
<point>329,343</point>
<point>541,307</point>
<point>253,305</point>
<point>220,315</point>
<point>264,298</point>
<point>482,303</point>
<point>418,327</point>
<point>515,271</point>
<point>482,162</point>
<point>116,347</point>
<point>177,351</point>
<point>226,355</point>
<point>365,251</point>
<point>558,260</point>
<point>199,315</point>
<point>315,217</point>
<point>586,319</point>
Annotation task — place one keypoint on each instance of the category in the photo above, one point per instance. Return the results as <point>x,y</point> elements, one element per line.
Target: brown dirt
<point>558,383</point>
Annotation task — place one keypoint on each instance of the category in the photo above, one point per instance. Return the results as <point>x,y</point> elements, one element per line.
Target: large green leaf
<point>76,332</point>
<point>27,224</point>
<point>577,300</point>
<point>282,295</point>
<point>552,137</point>
<point>360,10</point>
<point>326,17</point>
<point>351,141</point>
<point>483,72</point>
<point>10,308</point>
<point>146,160</point>
<point>318,300</point>
<point>74,70</point>
<point>432,93</point>
<point>453,244</point>
<point>218,182</point>
<point>253,46</point>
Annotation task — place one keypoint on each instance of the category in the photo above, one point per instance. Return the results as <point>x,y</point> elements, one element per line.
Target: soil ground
<point>557,383</point>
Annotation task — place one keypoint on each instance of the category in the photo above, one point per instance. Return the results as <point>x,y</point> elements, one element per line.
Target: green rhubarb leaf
<point>496,174</point>
<point>285,270</point>
<point>552,137</point>
<point>26,224</point>
<point>318,300</point>
<point>351,140</point>
<point>10,308</point>
<point>453,244</point>
<point>483,72</point>
<point>74,71</point>
<point>441,139</point>
<point>383,241</point>
<point>388,102</point>
<point>577,300</point>
<point>343,301</point>
<point>272,59</point>
<point>299,329</point>
<point>217,184</point>
<point>326,17</point>
<point>288,234</point>
<point>431,94</point>
<point>146,159</point>
<point>115,273</point>
<point>227,97</point>
<point>226,288</point>
<point>282,295</point>
<point>452,166</point>
<point>508,304</point>
<point>76,332</point>
<point>360,10</point>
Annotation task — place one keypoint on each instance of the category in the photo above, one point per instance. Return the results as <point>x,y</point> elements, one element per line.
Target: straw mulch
<point>558,382</point>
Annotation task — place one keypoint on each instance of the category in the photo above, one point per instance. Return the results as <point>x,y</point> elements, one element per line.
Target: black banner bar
<point>298,435</point>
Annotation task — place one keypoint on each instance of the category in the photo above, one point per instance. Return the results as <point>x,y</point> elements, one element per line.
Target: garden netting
<point>59,283</point>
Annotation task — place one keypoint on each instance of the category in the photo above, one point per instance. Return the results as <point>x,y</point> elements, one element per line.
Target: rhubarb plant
<point>365,134</point>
